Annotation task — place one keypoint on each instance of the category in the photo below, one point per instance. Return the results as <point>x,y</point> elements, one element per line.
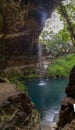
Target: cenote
<point>47,95</point>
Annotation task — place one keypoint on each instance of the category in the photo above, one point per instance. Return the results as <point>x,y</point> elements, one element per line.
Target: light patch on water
<point>42,83</point>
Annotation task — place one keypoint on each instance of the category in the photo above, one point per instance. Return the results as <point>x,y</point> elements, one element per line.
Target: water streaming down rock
<point>40,61</point>
<point>43,15</point>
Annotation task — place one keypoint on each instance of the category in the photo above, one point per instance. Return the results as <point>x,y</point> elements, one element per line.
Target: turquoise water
<point>47,95</point>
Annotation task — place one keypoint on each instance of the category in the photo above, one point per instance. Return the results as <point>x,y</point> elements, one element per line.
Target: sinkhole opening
<point>55,49</point>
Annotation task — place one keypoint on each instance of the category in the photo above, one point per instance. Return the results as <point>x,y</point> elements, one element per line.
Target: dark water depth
<point>47,95</point>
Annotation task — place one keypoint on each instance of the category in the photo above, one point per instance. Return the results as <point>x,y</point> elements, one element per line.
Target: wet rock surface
<point>21,23</point>
<point>17,112</point>
<point>70,90</point>
<point>70,126</point>
<point>67,114</point>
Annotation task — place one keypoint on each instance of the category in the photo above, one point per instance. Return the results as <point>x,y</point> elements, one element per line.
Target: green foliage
<point>62,66</point>
<point>67,14</point>
<point>14,77</point>
<point>58,45</point>
<point>19,84</point>
<point>13,74</point>
<point>63,41</point>
<point>65,34</point>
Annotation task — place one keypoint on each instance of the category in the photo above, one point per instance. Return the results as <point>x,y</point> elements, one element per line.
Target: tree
<point>67,11</point>
<point>64,40</point>
<point>57,45</point>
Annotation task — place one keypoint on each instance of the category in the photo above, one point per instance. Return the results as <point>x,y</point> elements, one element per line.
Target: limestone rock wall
<point>67,114</point>
<point>21,22</point>
<point>17,112</point>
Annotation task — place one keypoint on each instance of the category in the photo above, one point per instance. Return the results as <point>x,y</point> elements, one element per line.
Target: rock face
<point>67,114</point>
<point>70,90</point>
<point>21,23</point>
<point>16,109</point>
<point>70,126</point>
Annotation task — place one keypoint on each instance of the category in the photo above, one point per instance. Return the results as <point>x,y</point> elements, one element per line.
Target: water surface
<point>47,95</point>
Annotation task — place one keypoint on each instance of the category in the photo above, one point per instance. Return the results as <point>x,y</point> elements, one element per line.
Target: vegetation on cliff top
<point>62,66</point>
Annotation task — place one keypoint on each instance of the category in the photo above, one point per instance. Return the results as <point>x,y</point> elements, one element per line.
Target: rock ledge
<point>16,109</point>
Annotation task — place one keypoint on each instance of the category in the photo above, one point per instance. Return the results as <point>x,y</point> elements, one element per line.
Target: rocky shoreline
<point>17,111</point>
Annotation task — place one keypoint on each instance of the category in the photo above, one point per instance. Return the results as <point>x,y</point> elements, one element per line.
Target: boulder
<point>70,89</point>
<point>67,114</point>
<point>17,111</point>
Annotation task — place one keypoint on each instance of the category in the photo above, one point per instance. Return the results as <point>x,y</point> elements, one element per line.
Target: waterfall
<point>40,59</point>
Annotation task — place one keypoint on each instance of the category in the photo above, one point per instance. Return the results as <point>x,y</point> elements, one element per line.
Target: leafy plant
<point>62,66</point>
<point>14,77</point>
<point>19,84</point>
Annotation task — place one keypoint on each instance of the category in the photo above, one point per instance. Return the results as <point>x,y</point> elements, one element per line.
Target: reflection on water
<point>42,83</point>
<point>47,96</point>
